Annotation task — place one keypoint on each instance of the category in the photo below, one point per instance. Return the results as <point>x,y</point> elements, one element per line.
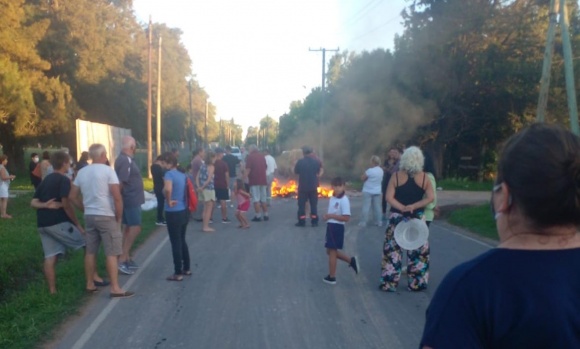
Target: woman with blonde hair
<point>372,192</point>
<point>408,192</point>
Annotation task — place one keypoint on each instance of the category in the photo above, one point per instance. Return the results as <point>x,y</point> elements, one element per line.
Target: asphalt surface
<point>262,288</point>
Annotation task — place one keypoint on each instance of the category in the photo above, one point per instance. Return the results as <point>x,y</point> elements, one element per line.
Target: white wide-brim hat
<point>411,234</point>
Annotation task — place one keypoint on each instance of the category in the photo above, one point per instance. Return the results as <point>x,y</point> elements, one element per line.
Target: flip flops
<point>101,283</point>
<point>126,294</point>
<point>175,278</point>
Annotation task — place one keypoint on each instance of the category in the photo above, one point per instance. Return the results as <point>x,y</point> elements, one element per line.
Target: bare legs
<point>207,210</point>
<point>333,256</point>
<point>129,235</point>
<point>3,205</point>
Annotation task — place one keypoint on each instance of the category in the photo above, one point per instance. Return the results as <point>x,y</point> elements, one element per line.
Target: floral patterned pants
<point>417,267</point>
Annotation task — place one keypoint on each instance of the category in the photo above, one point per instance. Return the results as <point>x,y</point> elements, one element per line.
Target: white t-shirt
<point>373,183</point>
<point>271,165</point>
<point>93,181</point>
<point>338,206</point>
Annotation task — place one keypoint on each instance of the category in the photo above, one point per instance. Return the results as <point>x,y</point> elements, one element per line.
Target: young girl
<point>243,199</point>
<point>205,182</point>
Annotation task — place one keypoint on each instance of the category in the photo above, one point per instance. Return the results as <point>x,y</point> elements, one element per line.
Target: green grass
<point>464,184</point>
<point>28,313</point>
<point>476,219</point>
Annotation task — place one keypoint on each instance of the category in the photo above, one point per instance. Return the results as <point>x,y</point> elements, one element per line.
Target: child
<point>338,214</point>
<point>243,199</point>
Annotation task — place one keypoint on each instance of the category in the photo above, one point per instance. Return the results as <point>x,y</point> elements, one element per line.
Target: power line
<point>362,12</point>
<point>376,28</point>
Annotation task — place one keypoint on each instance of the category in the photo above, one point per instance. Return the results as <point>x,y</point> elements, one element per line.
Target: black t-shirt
<point>157,172</point>
<point>54,186</point>
<point>508,299</point>
<point>232,161</point>
<point>307,170</point>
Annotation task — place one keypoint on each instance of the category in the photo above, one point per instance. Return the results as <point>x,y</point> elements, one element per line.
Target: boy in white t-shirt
<point>338,214</point>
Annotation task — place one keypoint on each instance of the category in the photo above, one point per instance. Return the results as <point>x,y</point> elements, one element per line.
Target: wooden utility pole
<point>558,7</point>
<point>191,139</point>
<point>205,127</point>
<point>569,68</point>
<point>158,147</point>
<point>323,90</point>
<point>547,67</point>
<point>149,126</point>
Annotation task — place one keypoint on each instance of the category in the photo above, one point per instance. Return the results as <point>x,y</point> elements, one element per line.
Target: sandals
<point>175,278</point>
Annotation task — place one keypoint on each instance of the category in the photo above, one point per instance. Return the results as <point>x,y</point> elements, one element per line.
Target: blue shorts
<point>132,216</point>
<point>334,236</point>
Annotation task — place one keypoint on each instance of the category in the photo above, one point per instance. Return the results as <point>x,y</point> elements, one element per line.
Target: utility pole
<point>205,128</point>
<point>547,66</point>
<point>149,126</point>
<point>569,69</point>
<point>559,7</point>
<point>159,101</point>
<point>191,118</point>
<point>323,90</point>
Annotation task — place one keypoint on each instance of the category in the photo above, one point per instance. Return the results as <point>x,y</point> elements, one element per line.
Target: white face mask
<point>35,159</point>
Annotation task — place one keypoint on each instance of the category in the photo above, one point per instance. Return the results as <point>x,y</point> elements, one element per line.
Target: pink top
<point>240,198</point>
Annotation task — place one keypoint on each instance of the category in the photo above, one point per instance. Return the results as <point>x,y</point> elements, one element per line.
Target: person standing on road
<point>308,170</point>
<point>5,179</point>
<point>523,293</point>
<point>157,172</point>
<point>243,200</point>
<point>56,221</point>
<point>45,166</point>
<point>131,184</point>
<point>431,209</point>
<point>102,205</point>
<point>390,166</point>
<point>256,174</point>
<point>232,162</point>
<point>221,181</point>
<point>196,163</point>
<point>205,183</point>
<point>408,192</point>
<point>271,169</point>
<point>177,217</point>
<point>338,214</point>
<point>372,192</point>
<point>34,179</point>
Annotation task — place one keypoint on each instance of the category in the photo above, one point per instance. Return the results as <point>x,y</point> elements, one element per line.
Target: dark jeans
<point>384,191</point>
<point>176,227</point>
<point>312,197</point>
<point>160,206</point>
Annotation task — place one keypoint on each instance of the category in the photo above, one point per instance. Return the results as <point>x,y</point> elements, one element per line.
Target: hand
<point>326,216</point>
<point>436,211</point>
<point>52,204</point>
<point>12,177</point>
<point>409,208</point>
<point>172,203</point>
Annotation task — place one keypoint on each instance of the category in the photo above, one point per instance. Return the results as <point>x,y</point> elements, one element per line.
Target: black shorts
<point>334,236</point>
<point>222,194</point>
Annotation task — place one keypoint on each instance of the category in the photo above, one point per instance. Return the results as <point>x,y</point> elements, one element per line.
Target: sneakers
<point>124,269</point>
<point>131,264</point>
<point>226,221</point>
<point>314,224</point>
<point>329,280</point>
<point>300,224</point>
<point>354,264</point>
<point>266,218</point>
<point>256,219</point>
<point>161,223</point>
<point>211,221</point>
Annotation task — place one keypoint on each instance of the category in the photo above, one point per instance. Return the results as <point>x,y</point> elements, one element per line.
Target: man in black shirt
<point>308,169</point>
<point>232,162</point>
<point>57,223</point>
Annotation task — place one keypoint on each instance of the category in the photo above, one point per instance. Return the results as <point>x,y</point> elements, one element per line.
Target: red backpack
<point>190,196</point>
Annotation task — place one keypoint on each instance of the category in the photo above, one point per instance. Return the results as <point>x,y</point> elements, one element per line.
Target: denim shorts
<point>334,236</point>
<point>57,238</point>
<point>132,216</point>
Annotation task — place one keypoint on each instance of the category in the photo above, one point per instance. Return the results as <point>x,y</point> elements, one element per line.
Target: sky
<point>252,56</point>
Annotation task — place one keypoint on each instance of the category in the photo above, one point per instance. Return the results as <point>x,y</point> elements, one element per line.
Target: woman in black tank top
<point>408,192</point>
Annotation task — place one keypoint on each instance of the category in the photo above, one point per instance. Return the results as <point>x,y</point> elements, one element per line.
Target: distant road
<point>262,288</point>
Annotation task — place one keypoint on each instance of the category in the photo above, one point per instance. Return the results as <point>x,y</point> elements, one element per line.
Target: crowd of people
<point>480,303</point>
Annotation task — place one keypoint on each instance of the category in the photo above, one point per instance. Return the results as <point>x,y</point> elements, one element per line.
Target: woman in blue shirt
<point>526,292</point>
<point>176,216</point>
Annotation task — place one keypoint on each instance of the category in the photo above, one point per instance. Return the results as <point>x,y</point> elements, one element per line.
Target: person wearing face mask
<point>34,179</point>
<point>524,293</point>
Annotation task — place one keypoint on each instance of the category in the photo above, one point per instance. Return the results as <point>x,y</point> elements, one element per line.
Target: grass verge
<point>28,313</point>
<point>476,219</point>
<point>464,184</point>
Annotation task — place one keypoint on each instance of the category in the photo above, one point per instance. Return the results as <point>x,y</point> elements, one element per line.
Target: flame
<point>291,189</point>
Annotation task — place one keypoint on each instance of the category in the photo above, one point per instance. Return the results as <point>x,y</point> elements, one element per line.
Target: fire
<point>291,189</point>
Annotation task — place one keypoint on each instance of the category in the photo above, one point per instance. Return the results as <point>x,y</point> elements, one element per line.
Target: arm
<point>390,195</point>
<point>50,204</point>
<point>115,190</point>
<point>70,212</point>
<point>227,177</point>
<point>210,170</point>
<point>428,198</point>
<point>73,196</point>
<point>168,191</point>
<point>4,175</point>
<point>340,218</point>
<point>364,176</point>
<point>247,172</point>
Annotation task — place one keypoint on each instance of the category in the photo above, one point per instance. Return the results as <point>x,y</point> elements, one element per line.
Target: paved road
<point>262,288</point>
